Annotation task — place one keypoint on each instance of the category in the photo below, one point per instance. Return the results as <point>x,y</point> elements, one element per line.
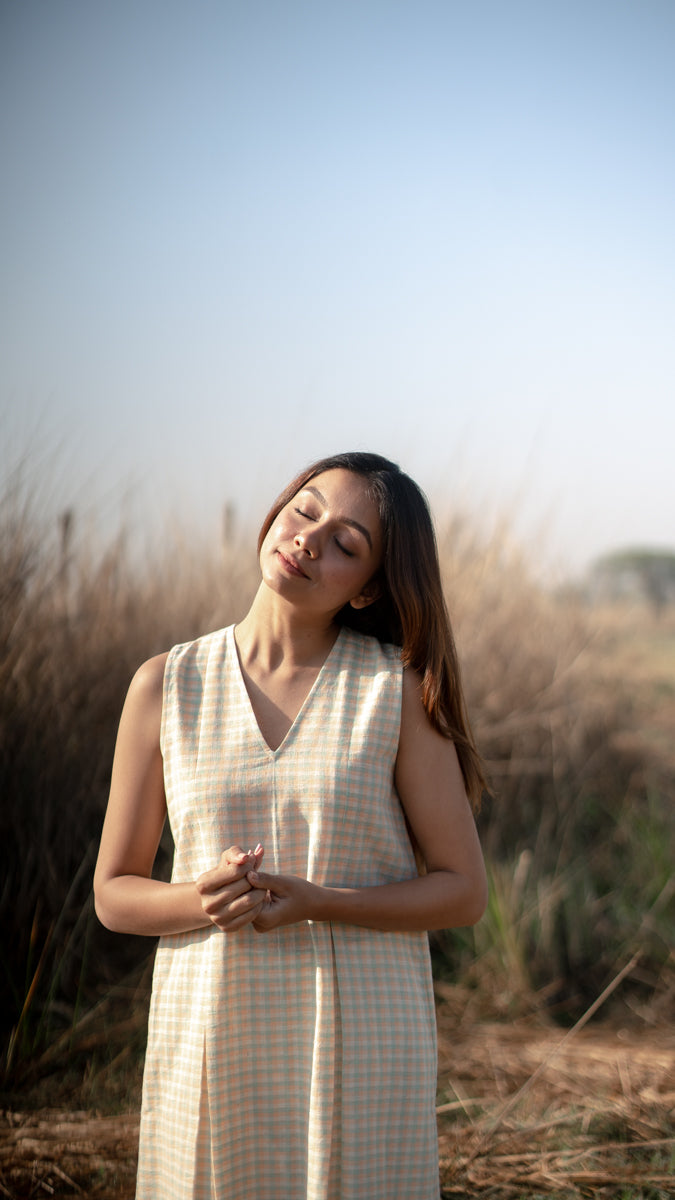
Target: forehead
<point>338,488</point>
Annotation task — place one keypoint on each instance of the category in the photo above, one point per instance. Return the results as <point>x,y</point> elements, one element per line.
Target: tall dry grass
<point>580,835</point>
<point>577,835</point>
<point>76,620</point>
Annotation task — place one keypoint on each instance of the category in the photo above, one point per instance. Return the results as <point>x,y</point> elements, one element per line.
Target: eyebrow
<point>344,520</point>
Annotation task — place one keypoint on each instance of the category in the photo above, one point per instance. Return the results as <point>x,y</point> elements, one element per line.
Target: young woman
<point>291,1051</point>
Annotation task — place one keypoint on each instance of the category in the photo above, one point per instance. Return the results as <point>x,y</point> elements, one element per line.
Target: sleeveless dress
<point>298,1064</point>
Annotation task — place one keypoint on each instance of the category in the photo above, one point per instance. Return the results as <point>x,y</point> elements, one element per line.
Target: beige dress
<point>298,1064</point>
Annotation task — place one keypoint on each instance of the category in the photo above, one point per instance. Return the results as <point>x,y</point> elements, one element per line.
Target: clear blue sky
<point>239,235</point>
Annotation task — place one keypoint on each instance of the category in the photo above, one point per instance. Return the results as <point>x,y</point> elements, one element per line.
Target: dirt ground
<point>523,1111</point>
<point>531,1111</point>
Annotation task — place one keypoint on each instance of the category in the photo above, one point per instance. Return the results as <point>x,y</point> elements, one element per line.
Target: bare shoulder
<point>421,746</point>
<point>145,695</point>
<point>412,688</point>
<point>414,719</point>
<point>148,681</point>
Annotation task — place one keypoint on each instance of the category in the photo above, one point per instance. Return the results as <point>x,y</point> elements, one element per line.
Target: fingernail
<point>258,849</point>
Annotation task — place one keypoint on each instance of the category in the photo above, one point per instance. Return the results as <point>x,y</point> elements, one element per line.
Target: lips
<point>291,565</point>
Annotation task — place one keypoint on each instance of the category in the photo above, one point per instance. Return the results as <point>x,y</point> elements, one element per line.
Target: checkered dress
<point>298,1064</point>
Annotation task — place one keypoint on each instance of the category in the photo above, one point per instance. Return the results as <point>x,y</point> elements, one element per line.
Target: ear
<point>371,592</point>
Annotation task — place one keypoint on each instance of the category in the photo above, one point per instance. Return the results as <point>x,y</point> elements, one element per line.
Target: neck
<point>273,631</point>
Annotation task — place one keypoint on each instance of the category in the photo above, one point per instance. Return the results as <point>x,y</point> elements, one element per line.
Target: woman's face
<point>325,546</point>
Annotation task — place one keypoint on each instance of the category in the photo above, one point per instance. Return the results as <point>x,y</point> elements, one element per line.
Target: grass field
<point>574,710</point>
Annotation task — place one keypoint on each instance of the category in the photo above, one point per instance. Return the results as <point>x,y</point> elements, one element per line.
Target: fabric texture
<point>298,1064</point>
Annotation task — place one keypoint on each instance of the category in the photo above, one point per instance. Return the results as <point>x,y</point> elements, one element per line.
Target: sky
<point>237,235</point>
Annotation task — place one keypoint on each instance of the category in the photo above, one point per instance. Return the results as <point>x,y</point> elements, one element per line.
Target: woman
<point>291,1051</point>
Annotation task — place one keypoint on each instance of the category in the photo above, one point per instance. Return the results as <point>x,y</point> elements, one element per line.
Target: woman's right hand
<point>227,898</point>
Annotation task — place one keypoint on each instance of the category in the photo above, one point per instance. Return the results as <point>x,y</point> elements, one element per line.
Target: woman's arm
<point>127,899</point>
<point>454,890</point>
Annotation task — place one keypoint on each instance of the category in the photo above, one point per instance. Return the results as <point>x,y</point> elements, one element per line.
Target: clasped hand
<point>236,893</point>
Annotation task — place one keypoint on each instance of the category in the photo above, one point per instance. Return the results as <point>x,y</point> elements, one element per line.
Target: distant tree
<point>637,573</point>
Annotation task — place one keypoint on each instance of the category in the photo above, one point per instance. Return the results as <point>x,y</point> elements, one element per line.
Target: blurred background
<point>236,236</point>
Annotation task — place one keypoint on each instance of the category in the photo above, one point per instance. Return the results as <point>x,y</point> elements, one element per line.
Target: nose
<point>305,542</point>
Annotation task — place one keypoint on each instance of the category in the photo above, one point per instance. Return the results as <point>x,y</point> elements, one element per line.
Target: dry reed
<point>579,837</point>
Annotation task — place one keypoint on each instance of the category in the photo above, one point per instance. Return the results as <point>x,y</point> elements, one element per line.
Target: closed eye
<point>307,516</point>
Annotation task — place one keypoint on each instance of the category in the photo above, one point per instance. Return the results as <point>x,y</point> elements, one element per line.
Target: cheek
<point>278,531</point>
<point>352,578</point>
<point>265,543</point>
<point>268,547</point>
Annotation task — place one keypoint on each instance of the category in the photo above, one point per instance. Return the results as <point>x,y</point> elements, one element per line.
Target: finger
<point>238,913</point>
<point>259,879</point>
<point>240,923</point>
<point>268,917</point>
<point>233,856</point>
<point>264,919</point>
<point>217,901</point>
<point>233,864</point>
<point>223,916</point>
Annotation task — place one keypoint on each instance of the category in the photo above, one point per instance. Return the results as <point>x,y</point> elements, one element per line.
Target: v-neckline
<point>246,699</point>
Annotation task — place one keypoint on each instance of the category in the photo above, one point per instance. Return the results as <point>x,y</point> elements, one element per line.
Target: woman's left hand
<point>289,900</point>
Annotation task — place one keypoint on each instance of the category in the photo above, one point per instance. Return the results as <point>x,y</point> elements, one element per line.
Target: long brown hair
<point>410,610</point>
